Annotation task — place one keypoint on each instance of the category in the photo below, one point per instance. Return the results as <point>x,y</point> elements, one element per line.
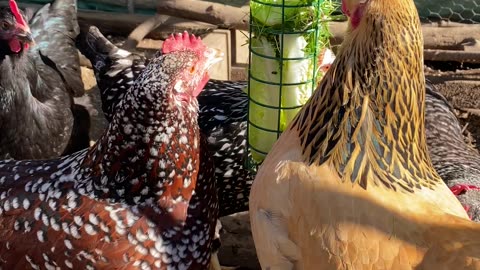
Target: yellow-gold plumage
<point>350,185</point>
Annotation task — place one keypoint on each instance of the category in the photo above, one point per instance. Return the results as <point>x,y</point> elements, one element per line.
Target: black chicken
<point>39,81</point>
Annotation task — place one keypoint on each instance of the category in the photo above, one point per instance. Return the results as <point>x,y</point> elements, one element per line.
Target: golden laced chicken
<point>143,197</point>
<point>350,184</point>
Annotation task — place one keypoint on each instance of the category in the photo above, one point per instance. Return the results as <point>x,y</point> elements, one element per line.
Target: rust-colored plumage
<point>143,197</point>
<point>350,184</point>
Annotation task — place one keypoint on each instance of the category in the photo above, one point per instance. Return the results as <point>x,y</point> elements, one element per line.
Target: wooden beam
<point>447,36</point>
<point>124,24</point>
<point>451,55</point>
<point>145,28</point>
<point>225,16</point>
<point>111,23</point>
<point>144,4</point>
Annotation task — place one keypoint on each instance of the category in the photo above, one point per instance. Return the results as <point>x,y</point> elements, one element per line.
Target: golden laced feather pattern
<point>365,120</point>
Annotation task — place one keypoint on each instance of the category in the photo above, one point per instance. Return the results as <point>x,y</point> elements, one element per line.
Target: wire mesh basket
<point>286,37</point>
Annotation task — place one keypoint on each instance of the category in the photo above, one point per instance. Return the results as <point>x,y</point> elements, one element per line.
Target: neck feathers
<point>367,117</point>
<point>150,151</point>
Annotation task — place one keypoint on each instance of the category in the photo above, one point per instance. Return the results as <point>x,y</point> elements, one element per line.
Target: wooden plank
<point>451,55</point>
<point>144,4</point>
<point>122,24</point>
<point>443,36</point>
<point>240,50</point>
<point>225,16</point>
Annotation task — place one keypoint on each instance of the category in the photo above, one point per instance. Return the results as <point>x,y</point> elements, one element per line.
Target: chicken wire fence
<point>462,11</point>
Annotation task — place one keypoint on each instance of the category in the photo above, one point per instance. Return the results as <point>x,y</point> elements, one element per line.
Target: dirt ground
<point>460,85</point>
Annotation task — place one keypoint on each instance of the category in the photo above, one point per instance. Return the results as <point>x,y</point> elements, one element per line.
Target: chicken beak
<point>213,56</point>
<point>24,35</point>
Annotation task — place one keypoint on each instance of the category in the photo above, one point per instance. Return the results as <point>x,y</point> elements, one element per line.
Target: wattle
<point>357,16</point>
<point>15,45</point>
<point>201,85</point>
<point>344,9</point>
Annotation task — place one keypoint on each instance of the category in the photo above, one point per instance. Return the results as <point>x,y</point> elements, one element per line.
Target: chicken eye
<point>5,25</point>
<point>192,70</point>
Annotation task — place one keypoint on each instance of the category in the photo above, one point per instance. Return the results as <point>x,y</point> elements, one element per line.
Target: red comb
<point>182,42</point>
<point>16,13</point>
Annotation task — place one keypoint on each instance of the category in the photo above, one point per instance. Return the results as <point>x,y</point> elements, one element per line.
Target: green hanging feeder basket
<point>286,37</point>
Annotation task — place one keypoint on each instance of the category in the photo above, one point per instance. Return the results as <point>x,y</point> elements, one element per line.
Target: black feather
<point>37,87</point>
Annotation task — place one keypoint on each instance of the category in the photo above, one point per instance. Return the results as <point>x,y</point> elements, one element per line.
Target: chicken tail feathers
<point>115,69</point>
<point>54,29</point>
<point>96,48</point>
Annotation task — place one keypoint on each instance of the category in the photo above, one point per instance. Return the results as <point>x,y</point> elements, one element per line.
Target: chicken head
<point>14,30</point>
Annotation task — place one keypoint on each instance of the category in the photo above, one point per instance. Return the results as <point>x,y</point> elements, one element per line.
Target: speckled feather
<point>37,87</point>
<point>132,201</point>
<point>223,117</point>
<point>453,159</point>
<point>115,68</point>
<point>54,29</point>
<point>223,123</point>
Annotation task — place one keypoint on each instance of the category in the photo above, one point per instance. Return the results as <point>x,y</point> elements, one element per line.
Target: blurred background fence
<point>451,28</point>
<point>462,11</point>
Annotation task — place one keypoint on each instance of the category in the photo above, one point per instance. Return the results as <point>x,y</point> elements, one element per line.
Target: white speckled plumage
<point>113,205</point>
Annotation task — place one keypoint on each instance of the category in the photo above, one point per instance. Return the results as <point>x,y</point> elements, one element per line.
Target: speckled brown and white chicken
<point>143,197</point>
<point>222,114</point>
